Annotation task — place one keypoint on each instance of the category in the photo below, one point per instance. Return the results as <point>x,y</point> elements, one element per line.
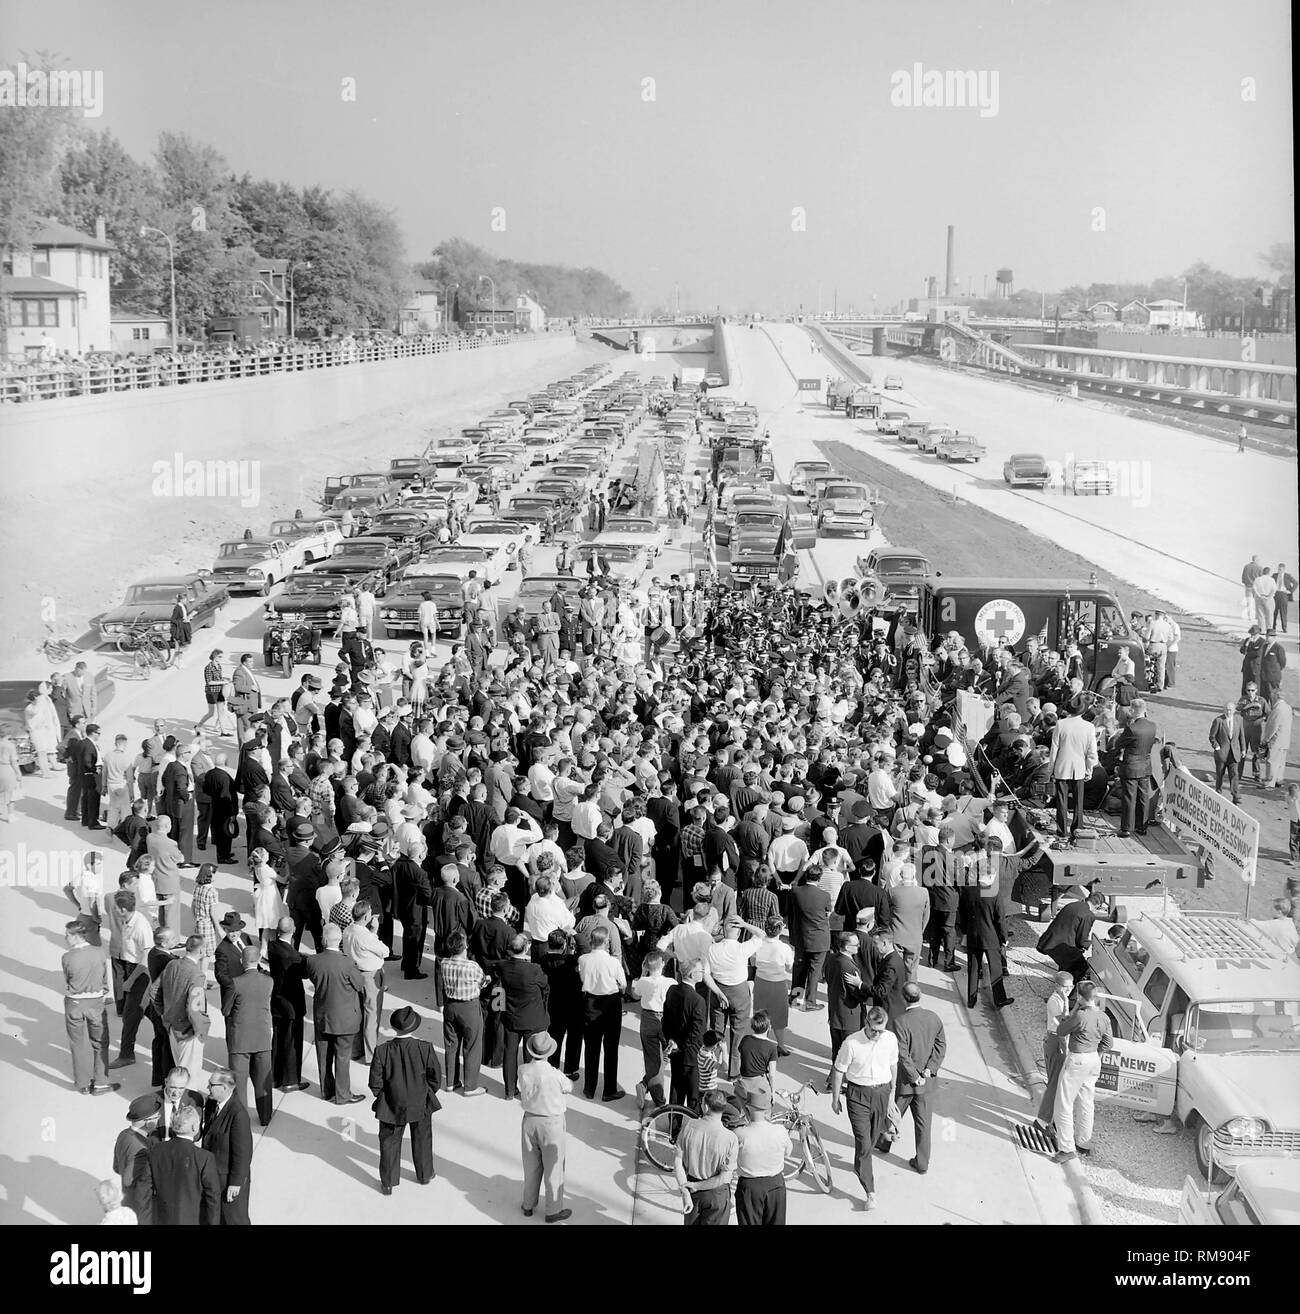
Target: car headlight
<point>1245,1129</point>
<point>254,572</point>
<point>388,614</point>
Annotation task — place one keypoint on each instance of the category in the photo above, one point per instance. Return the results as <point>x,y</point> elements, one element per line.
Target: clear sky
<point>760,106</point>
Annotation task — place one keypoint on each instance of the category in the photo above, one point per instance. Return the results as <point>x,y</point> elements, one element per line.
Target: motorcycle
<point>289,640</point>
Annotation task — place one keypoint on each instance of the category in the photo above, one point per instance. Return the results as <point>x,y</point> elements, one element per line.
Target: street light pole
<point>446,302</point>
<point>145,230</point>
<point>293,299</point>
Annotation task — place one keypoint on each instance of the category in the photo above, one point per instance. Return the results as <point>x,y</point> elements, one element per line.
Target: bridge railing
<point>54,382</point>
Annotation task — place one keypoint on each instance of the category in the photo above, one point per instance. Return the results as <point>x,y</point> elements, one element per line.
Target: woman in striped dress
<point>204,910</point>
<point>214,691</point>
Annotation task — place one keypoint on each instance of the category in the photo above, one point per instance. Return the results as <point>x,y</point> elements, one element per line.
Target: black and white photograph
<point>649,615</point>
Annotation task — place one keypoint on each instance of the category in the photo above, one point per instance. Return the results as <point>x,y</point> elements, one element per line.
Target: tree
<point>32,145</point>
<point>1279,260</point>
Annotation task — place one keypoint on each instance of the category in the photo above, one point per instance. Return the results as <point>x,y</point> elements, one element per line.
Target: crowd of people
<point>698,802</point>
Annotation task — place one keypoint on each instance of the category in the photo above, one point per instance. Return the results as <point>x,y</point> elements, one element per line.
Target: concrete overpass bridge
<point>1234,388</point>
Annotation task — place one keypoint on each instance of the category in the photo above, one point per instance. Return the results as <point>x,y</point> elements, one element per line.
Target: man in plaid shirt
<point>494,885</point>
<point>462,1015</point>
<point>693,848</point>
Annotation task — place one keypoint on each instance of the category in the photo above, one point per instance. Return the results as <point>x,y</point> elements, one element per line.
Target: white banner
<point>1230,836</point>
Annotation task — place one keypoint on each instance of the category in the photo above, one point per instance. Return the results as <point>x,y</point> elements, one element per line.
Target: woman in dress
<point>650,923</point>
<point>773,973</point>
<point>548,636</point>
<point>268,906</point>
<point>42,722</point>
<point>10,777</point>
<point>181,633</point>
<point>204,910</point>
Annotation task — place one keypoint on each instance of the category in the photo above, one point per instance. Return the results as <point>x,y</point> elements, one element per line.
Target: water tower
<point>1004,283</point>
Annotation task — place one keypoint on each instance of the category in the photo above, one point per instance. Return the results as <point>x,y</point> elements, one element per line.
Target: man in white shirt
<point>540,782</point>
<point>542,1092</point>
<point>866,1070</point>
<point>117,769</point>
<point>728,963</point>
<point>135,937</point>
<point>86,890</point>
<point>603,983</point>
<point>881,792</point>
<point>546,912</point>
<point>512,840</point>
<point>586,814</point>
<point>362,944</point>
<point>760,1163</point>
<point>1054,1046</point>
<point>788,854</point>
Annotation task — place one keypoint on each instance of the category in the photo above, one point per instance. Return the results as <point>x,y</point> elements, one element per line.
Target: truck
<point>989,612</point>
<point>691,376</point>
<point>837,392</point>
<point>862,403</point>
<point>761,536</point>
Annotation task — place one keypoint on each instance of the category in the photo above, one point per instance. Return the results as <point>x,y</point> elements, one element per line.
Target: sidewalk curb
<point>1090,1212</point>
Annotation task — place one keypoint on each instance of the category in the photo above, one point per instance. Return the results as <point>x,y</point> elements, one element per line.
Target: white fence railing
<point>52,382</point>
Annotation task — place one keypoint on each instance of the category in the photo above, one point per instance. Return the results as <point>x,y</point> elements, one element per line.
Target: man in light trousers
<point>542,1092</point>
<point>1058,1005</point>
<point>1087,1032</point>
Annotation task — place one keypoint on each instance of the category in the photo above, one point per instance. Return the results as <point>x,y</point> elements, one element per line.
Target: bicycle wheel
<point>144,657</point>
<point>815,1158</point>
<point>659,1134</point>
<point>794,1156</point>
<point>127,643</point>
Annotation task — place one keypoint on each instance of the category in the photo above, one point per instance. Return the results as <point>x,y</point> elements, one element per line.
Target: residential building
<point>139,334</point>
<point>420,311</point>
<point>529,314</point>
<point>58,292</point>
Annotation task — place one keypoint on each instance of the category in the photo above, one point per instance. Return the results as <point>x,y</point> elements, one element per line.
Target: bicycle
<point>660,1130</point>
<point>56,649</point>
<point>148,649</point>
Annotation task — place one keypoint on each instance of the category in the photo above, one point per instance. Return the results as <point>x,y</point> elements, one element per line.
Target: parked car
<point>1206,1009</point>
<point>371,558</point>
<point>890,422</point>
<point>150,602</point>
<point>804,471</point>
<point>256,565</point>
<point>1089,477</point>
<point>645,530</point>
<point>625,562</point>
<point>400,606</point>
<point>893,382</point>
<point>462,493</point>
<point>418,525</point>
<point>1264,1193</point>
<point>315,538</point>
<point>897,571</point>
<point>505,537</point>
<point>407,470</point>
<point>486,560</point>
<point>1026,468</point>
<point>310,596</point>
<point>714,381</point>
<point>959,447</point>
<point>13,705</point>
<point>932,435</point>
<point>549,512</point>
<point>845,507</point>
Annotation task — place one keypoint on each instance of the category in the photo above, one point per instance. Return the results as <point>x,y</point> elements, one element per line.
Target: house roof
<point>1165,303</point>
<point>423,285</point>
<point>265,266</point>
<point>134,317</point>
<point>36,287</point>
<point>56,234</point>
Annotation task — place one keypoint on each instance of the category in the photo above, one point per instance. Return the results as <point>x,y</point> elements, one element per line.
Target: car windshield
<point>540,586</point>
<point>360,548</point>
<point>369,480</point>
<point>295,528</point>
<point>455,444</point>
<point>611,551</point>
<point>903,566</point>
<point>436,584</point>
<point>633,526</point>
<point>244,547</point>
<point>153,593</point>
<point>845,490</point>
<point>812,467</point>
<point>1246,1026</point>
<point>492,527</point>
<point>758,520</point>
<point>457,554</point>
<point>448,487</point>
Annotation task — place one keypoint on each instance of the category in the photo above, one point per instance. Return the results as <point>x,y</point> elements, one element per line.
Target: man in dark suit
<point>685,1020</point>
<point>449,910</point>
<point>336,1016</point>
<point>490,941</point>
<point>1134,744</point>
<point>980,917</point>
<point>845,992</point>
<point>810,935</point>
<point>228,959</point>
<point>249,1032</point>
<point>528,993</point>
<point>862,892</point>
<point>411,895</point>
<point>160,1055</point>
<point>181,1177</point>
<point>223,803</point>
<point>405,1079</point>
<point>228,1138</point>
<point>941,874</point>
<point>83,757</point>
<point>131,1150</point>
<point>288,1008</point>
<point>891,975</point>
<point>664,811</point>
<point>921,1047</point>
<point>1069,934</point>
<point>1228,741</point>
<point>1014,687</point>
<point>169,1101</point>
<point>306,876</point>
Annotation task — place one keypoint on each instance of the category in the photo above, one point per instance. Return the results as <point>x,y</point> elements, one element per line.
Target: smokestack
<point>947,281</point>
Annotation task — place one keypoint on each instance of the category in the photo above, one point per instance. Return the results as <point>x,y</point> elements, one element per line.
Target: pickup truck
<point>845,507</point>
<point>960,447</point>
<point>150,601</point>
<point>316,538</point>
<point>257,565</point>
<point>896,573</point>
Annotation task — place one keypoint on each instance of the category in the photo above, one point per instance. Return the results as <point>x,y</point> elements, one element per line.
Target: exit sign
<point>810,385</point>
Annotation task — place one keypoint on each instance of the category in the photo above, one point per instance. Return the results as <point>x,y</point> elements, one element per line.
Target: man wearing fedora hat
<point>228,958</point>
<point>405,1079</point>
<point>542,1092</point>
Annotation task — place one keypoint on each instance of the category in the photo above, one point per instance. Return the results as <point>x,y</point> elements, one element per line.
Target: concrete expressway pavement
<point>318,1163</point>
<point>1188,513</point>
